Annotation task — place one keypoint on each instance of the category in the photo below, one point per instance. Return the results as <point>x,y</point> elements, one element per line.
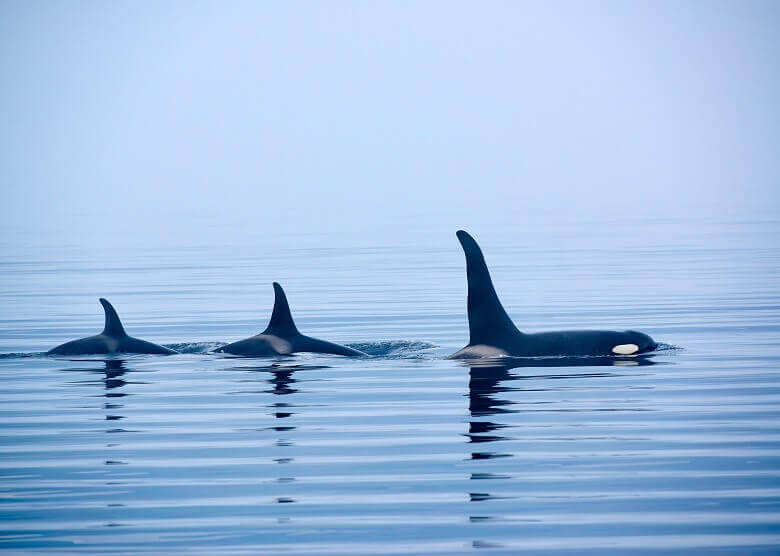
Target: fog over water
<point>180,120</point>
<point>616,161</point>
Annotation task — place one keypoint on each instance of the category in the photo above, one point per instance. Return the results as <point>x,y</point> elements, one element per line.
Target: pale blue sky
<point>150,117</point>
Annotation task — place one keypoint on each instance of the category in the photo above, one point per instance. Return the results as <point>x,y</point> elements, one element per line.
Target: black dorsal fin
<point>488,322</point>
<point>281,319</point>
<point>113,324</point>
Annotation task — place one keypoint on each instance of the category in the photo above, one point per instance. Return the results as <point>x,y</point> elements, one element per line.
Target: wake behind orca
<point>113,339</point>
<point>281,336</point>
<point>493,334</point>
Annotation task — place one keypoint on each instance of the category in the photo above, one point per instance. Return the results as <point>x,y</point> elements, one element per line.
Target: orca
<point>493,334</point>
<point>281,337</point>
<point>113,339</point>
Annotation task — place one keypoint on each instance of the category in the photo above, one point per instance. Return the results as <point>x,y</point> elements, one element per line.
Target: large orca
<point>281,337</point>
<point>113,339</point>
<point>493,334</point>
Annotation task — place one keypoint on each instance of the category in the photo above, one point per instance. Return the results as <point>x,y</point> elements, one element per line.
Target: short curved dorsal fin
<point>488,322</point>
<point>281,318</point>
<point>113,324</point>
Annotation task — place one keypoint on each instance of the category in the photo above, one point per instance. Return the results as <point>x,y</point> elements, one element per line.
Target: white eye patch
<point>625,349</point>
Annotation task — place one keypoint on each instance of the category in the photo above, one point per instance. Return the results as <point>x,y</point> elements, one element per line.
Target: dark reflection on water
<point>282,380</point>
<point>534,362</point>
<point>113,380</point>
<point>113,372</point>
<point>486,378</point>
<point>484,385</point>
<point>488,381</point>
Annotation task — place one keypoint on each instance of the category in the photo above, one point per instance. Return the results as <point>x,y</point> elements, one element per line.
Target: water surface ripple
<point>403,451</point>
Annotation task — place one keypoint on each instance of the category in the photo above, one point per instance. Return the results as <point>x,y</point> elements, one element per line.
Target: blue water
<point>406,451</point>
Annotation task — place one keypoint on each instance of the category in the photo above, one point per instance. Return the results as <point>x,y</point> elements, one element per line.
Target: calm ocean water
<point>403,452</point>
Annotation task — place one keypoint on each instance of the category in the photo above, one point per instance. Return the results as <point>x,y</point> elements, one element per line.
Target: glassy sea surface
<point>404,451</point>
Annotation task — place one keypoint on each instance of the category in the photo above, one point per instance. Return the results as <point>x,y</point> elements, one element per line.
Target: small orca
<point>281,337</point>
<point>493,334</point>
<point>113,339</point>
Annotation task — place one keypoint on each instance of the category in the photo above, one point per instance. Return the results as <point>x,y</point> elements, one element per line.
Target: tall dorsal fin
<point>488,322</point>
<point>281,318</point>
<point>113,324</point>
